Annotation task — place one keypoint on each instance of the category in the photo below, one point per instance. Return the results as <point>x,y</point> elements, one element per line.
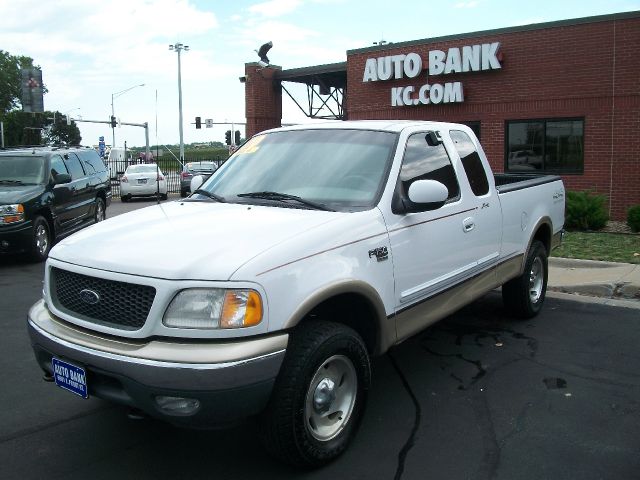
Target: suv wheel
<point>41,241</point>
<point>184,193</point>
<point>319,395</point>
<point>101,212</point>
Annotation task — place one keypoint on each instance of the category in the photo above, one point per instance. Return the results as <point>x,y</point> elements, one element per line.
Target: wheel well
<point>46,213</point>
<point>353,310</point>
<point>543,235</point>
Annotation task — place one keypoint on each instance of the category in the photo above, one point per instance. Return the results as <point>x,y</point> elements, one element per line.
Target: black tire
<point>326,368</point>
<point>524,295</point>
<point>125,198</point>
<point>40,240</point>
<point>164,196</point>
<point>100,212</point>
<point>184,193</point>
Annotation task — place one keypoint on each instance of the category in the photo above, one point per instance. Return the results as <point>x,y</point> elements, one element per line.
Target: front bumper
<point>231,380</point>
<point>16,238</point>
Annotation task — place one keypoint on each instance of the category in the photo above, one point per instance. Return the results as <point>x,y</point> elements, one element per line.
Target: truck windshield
<point>21,170</point>
<point>341,169</point>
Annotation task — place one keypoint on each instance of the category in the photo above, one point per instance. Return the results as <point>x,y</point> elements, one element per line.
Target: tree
<point>23,128</point>
<point>10,80</point>
<point>58,132</point>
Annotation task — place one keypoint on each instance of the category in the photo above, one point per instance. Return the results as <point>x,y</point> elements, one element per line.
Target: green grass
<point>608,247</point>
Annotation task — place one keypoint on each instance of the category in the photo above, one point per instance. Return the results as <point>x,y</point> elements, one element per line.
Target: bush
<point>585,211</point>
<point>633,218</point>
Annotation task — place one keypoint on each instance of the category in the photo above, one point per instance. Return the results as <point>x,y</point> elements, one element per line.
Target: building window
<point>555,146</point>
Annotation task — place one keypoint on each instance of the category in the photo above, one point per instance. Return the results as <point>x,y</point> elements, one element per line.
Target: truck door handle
<point>468,224</point>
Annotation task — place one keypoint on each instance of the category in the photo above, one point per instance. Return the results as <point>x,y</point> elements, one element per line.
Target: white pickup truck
<point>267,290</point>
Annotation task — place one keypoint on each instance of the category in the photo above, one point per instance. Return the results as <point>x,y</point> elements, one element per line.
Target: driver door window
<point>425,162</point>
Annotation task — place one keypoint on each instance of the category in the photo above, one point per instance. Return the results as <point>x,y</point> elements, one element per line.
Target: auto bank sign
<point>472,58</point>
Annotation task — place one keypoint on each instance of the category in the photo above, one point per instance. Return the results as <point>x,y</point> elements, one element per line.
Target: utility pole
<point>178,47</point>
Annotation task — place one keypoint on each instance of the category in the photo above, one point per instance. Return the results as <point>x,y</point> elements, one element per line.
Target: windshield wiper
<point>206,193</point>
<point>285,196</point>
<point>13,182</point>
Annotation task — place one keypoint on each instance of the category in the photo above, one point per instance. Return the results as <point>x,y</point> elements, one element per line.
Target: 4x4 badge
<point>381,253</point>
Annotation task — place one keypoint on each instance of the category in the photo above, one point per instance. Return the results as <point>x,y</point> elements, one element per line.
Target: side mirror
<point>61,178</point>
<point>426,195</point>
<point>196,182</point>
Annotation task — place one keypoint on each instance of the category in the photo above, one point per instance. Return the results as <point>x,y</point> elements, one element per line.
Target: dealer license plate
<point>142,180</point>
<point>70,377</point>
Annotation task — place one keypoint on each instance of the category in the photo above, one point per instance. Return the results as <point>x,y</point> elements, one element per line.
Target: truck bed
<point>509,182</point>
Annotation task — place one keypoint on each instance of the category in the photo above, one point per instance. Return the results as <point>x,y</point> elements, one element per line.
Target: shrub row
<point>587,211</point>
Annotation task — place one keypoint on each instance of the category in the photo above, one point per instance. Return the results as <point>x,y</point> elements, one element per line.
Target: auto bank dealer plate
<point>70,377</point>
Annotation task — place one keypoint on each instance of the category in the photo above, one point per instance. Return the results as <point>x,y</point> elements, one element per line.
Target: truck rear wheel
<point>524,295</point>
<point>319,396</point>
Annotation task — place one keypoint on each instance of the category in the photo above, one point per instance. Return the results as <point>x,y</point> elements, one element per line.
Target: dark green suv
<point>47,193</point>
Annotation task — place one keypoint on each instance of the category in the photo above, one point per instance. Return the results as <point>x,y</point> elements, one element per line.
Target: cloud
<point>275,8</point>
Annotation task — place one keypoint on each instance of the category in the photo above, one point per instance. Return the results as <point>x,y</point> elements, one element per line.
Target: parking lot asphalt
<point>476,396</point>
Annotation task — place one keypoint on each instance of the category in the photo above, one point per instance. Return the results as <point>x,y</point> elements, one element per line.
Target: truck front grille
<point>106,302</point>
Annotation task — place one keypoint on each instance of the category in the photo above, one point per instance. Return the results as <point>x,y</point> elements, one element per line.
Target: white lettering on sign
<point>490,56</point>
<point>394,66</point>
<point>427,94</point>
<point>469,58</point>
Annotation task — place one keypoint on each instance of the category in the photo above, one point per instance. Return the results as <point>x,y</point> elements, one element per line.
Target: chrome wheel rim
<point>536,280</point>
<point>42,239</point>
<point>99,212</point>
<point>330,398</point>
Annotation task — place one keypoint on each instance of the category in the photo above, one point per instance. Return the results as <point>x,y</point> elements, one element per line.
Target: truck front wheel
<point>319,396</point>
<point>524,295</point>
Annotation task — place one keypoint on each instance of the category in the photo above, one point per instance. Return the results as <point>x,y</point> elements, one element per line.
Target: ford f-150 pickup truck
<point>312,249</point>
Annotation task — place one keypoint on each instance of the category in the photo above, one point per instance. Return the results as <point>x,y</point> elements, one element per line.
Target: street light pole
<point>178,47</point>
<point>116,95</point>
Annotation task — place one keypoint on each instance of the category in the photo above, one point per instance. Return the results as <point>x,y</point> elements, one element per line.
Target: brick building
<point>560,97</point>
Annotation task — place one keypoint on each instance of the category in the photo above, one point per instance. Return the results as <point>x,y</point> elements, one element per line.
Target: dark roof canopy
<point>329,75</point>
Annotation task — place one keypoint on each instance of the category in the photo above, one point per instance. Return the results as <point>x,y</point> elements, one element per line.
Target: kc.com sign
<point>472,58</point>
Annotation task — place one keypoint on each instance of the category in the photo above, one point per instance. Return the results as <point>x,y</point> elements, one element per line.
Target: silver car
<point>191,169</point>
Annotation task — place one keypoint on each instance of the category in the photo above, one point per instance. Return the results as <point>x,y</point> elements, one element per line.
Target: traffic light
<point>237,137</point>
<point>227,137</point>
<point>198,122</point>
<point>113,122</point>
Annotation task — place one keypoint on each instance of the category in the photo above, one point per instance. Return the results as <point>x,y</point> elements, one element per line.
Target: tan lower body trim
<point>429,311</point>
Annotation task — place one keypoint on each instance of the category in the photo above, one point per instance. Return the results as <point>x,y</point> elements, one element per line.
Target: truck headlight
<point>213,308</point>
<point>11,213</point>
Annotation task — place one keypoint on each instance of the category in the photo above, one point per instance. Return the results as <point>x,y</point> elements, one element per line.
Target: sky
<point>91,49</point>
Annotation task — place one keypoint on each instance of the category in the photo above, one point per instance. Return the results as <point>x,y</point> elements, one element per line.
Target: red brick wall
<point>263,100</point>
<point>589,70</point>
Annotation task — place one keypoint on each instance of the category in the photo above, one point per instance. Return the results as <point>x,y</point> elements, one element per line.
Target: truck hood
<point>19,193</point>
<point>187,240</point>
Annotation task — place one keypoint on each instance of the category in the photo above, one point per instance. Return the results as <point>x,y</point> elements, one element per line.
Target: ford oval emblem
<point>89,296</point>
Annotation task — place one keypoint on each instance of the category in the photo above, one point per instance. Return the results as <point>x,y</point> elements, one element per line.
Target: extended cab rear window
<point>471,162</point>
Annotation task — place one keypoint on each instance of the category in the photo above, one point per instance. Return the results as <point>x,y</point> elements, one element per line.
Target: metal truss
<point>323,102</point>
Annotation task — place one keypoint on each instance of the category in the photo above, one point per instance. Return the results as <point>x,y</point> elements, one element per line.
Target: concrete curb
<point>594,278</point>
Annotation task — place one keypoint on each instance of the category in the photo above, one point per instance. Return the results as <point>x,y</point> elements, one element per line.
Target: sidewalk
<point>595,279</point>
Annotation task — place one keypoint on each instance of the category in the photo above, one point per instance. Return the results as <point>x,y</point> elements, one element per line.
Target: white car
<point>142,181</point>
